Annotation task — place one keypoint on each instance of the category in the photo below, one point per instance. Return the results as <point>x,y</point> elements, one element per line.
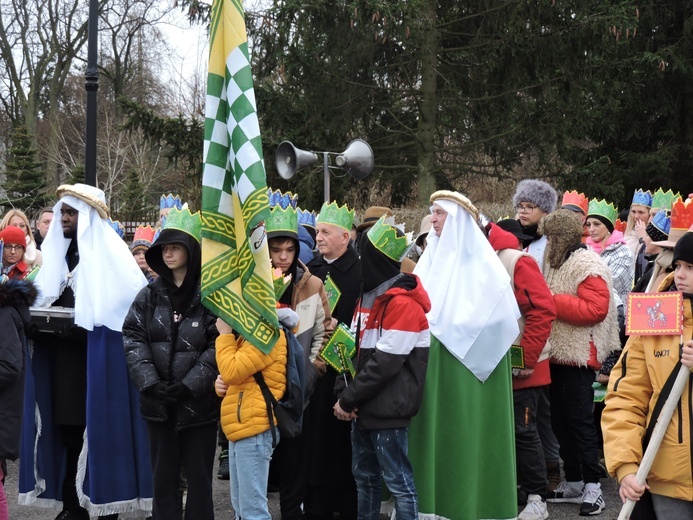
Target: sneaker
<point>223,473</point>
<point>535,510</point>
<point>592,500</point>
<point>566,492</point>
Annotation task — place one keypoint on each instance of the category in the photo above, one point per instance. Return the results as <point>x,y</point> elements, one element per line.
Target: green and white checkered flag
<point>236,276</point>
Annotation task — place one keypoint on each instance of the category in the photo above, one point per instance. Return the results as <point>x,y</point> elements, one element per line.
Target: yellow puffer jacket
<point>634,386</point>
<point>243,410</point>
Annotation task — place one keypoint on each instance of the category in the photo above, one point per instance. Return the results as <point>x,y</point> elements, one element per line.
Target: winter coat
<point>620,261</point>
<point>536,305</point>
<point>243,410</point>
<point>586,328</point>
<point>16,296</point>
<point>392,358</point>
<point>156,350</point>
<point>19,271</point>
<point>309,301</point>
<point>345,272</point>
<point>635,384</point>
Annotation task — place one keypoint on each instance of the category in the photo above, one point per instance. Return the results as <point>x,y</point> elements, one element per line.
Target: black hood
<point>376,268</point>
<point>183,295</point>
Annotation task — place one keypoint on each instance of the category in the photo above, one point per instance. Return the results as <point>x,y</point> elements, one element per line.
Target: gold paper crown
<point>457,198</point>
<point>383,236</point>
<point>183,220</point>
<point>603,209</point>
<point>89,194</point>
<point>578,200</point>
<point>333,214</point>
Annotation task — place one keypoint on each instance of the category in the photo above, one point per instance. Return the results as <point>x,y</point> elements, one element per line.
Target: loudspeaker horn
<point>357,159</point>
<point>290,159</point>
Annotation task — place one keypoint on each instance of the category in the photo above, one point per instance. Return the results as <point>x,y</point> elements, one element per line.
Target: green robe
<point>462,442</point>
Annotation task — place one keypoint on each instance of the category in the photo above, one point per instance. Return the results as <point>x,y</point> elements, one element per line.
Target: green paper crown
<point>333,214</point>
<point>383,235</point>
<point>183,220</point>
<point>603,209</point>
<point>664,199</point>
<point>282,221</point>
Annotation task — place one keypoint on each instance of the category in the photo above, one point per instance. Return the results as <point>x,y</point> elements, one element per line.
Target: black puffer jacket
<point>156,350</point>
<point>15,298</point>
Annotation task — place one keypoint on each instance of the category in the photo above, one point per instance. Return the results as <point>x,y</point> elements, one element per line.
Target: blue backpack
<point>289,409</point>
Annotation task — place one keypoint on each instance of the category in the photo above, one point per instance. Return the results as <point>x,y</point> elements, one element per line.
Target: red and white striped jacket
<point>392,357</point>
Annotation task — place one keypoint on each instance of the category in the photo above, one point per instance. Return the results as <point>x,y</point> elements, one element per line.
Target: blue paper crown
<point>643,198</point>
<point>662,221</point>
<point>170,201</point>
<point>283,200</point>
<point>306,218</point>
<point>117,227</point>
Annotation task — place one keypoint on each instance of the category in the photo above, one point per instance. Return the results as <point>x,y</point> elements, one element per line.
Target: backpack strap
<point>270,402</point>
<point>663,396</point>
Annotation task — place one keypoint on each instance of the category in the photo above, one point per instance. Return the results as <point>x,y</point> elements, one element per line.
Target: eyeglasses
<point>12,247</point>
<point>525,208</point>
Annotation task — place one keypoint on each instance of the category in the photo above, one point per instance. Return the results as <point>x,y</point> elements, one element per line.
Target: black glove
<point>178,392</point>
<point>160,392</point>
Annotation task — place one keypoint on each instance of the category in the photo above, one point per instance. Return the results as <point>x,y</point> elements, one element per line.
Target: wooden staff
<point>657,435</point>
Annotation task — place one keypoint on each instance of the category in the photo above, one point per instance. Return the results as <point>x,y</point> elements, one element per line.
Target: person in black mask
<point>169,342</point>
<point>387,390</point>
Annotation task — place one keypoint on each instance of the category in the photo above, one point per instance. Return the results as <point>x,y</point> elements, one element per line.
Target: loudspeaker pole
<point>326,172</point>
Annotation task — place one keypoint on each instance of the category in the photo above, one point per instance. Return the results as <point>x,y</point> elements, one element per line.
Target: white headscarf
<point>473,309</point>
<point>107,278</point>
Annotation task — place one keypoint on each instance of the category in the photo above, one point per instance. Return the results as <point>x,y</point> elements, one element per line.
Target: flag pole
<point>657,435</point>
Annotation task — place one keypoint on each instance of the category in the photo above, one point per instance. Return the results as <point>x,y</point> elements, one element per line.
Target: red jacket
<point>536,305</point>
<point>19,271</point>
<point>590,306</point>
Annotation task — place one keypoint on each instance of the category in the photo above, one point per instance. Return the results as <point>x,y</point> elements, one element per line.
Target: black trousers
<point>572,402</point>
<point>531,466</point>
<point>289,463</point>
<point>73,438</point>
<point>193,449</point>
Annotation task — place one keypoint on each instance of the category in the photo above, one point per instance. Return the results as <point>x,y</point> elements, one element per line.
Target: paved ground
<point>223,511</point>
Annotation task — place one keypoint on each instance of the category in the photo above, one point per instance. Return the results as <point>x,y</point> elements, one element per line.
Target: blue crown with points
<point>170,201</point>
<point>283,200</point>
<point>662,221</point>
<point>117,227</point>
<point>643,198</point>
<point>306,218</point>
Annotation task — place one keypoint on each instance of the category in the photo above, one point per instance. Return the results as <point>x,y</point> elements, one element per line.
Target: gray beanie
<point>536,192</point>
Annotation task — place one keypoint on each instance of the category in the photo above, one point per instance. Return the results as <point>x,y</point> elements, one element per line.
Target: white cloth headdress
<point>473,309</point>
<point>107,278</point>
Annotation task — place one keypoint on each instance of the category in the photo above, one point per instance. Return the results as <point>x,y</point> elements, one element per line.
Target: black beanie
<point>609,225</point>
<point>683,250</point>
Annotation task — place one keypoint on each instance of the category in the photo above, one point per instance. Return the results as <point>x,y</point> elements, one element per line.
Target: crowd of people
<point>470,394</point>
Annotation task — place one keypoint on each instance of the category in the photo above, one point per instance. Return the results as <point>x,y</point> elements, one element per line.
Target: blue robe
<point>114,471</point>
